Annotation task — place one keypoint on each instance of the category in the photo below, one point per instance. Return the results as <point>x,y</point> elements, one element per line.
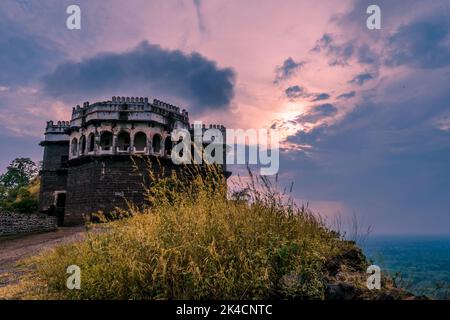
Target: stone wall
<point>19,223</point>
<point>51,181</point>
<point>53,174</point>
<point>104,183</point>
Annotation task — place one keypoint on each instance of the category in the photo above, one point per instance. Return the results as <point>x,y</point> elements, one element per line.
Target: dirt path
<point>14,249</point>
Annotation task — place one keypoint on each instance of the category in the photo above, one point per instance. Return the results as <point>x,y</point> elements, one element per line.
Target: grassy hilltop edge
<point>195,243</point>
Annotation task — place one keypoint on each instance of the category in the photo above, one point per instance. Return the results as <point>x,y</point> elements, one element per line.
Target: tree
<point>16,185</point>
<point>19,173</point>
<point>3,193</point>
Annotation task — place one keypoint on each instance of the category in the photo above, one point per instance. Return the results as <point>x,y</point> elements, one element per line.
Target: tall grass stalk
<point>194,242</point>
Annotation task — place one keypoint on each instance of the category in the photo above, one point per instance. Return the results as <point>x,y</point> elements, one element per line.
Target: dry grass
<point>194,243</point>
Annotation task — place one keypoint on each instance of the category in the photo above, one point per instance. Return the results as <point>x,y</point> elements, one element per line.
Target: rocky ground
<point>347,280</point>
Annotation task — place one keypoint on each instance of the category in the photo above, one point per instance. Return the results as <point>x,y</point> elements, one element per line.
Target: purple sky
<point>364,114</point>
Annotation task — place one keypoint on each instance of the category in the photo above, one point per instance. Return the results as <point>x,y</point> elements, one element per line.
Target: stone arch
<point>156,143</point>
<point>82,144</point>
<point>74,147</point>
<point>180,140</point>
<point>123,141</point>
<point>91,143</point>
<point>140,141</point>
<point>168,146</point>
<point>106,140</point>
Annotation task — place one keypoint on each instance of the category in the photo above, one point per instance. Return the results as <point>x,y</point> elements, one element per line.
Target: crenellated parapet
<point>59,126</point>
<point>210,126</point>
<point>122,125</point>
<point>130,109</point>
<point>166,106</point>
<point>57,131</point>
<point>204,127</point>
<point>129,100</point>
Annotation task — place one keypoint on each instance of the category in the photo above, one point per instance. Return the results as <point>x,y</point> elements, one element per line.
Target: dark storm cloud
<point>338,54</point>
<point>361,78</point>
<point>422,43</point>
<point>323,43</point>
<point>380,151</point>
<point>317,113</point>
<point>191,78</point>
<point>387,159</point>
<point>320,96</point>
<point>295,92</point>
<point>287,69</point>
<point>347,95</point>
<point>24,56</point>
<point>341,53</point>
<point>365,55</point>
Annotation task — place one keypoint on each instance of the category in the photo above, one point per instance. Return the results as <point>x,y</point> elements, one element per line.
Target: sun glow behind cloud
<point>287,119</point>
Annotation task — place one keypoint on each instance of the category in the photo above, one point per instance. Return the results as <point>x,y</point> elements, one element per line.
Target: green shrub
<point>22,199</point>
<point>27,205</point>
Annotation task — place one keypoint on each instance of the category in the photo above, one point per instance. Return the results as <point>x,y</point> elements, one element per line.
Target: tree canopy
<point>15,183</point>
<point>19,173</point>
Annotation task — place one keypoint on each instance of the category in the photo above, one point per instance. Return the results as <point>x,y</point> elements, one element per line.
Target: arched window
<point>168,146</point>
<point>123,141</point>
<point>106,140</point>
<point>140,141</point>
<point>74,147</point>
<point>156,143</point>
<point>91,142</point>
<point>181,152</point>
<point>82,145</point>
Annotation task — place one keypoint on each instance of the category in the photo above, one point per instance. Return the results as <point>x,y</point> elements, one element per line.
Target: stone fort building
<point>88,164</point>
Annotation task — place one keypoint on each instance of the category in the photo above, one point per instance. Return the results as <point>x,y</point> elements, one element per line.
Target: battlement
<point>57,131</point>
<point>129,104</point>
<point>121,100</point>
<point>210,126</point>
<point>58,127</point>
<point>166,106</point>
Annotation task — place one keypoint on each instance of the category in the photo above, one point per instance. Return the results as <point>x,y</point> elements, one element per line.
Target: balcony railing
<point>154,153</point>
<point>140,151</point>
<point>105,150</point>
<point>122,150</point>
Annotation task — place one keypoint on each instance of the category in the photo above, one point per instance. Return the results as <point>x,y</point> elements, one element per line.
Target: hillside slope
<point>194,243</point>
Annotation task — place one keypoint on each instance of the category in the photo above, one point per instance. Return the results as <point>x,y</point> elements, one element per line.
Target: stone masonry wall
<point>53,175</point>
<point>51,181</point>
<point>19,223</point>
<point>102,184</point>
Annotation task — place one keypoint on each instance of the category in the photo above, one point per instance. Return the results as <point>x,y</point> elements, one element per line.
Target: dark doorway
<point>60,207</point>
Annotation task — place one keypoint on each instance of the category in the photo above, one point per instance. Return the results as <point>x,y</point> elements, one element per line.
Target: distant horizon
<point>438,235</point>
